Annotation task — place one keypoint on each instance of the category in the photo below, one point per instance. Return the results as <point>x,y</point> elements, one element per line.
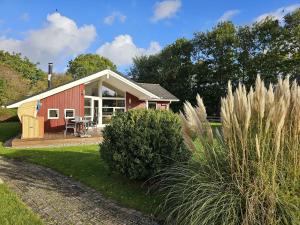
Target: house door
<point>91,109</point>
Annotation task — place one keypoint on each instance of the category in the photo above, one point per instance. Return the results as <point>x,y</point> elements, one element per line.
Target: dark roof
<point>158,91</point>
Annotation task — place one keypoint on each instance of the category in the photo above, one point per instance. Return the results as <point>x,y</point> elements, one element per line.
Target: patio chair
<point>91,124</point>
<point>69,125</point>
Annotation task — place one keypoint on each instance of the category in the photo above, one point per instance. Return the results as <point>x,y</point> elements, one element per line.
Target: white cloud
<point>109,20</point>
<point>60,39</point>
<point>278,14</point>
<point>24,17</point>
<point>165,9</point>
<point>228,15</point>
<point>122,50</point>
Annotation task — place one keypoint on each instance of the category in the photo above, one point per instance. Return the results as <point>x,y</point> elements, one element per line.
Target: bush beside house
<point>140,143</point>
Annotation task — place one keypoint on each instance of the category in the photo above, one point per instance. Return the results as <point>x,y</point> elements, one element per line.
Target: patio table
<point>81,123</point>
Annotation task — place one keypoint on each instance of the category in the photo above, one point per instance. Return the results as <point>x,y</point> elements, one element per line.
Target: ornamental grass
<point>248,171</point>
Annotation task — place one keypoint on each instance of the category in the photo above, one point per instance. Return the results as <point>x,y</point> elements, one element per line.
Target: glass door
<point>91,109</point>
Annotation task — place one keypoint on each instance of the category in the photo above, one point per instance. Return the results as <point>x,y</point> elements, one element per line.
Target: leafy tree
<point>60,79</point>
<point>22,65</point>
<point>217,48</point>
<point>291,44</point>
<point>87,64</point>
<point>172,68</point>
<point>205,63</point>
<point>2,91</point>
<point>12,85</point>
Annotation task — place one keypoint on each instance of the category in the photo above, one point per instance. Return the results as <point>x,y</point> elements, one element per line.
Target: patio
<point>56,139</point>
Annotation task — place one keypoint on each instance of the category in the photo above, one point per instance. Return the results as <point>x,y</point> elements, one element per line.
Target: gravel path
<point>60,200</point>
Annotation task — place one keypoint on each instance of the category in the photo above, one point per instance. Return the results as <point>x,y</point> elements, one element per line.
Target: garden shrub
<point>247,175</point>
<point>140,143</point>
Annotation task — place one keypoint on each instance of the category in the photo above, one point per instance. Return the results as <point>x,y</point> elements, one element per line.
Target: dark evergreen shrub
<point>140,143</point>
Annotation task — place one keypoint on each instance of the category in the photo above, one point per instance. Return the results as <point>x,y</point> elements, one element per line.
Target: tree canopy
<point>205,64</point>
<point>87,64</point>
<point>22,65</point>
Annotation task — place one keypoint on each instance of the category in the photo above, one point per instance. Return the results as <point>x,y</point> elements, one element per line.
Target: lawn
<point>8,130</point>
<point>83,163</point>
<point>13,211</point>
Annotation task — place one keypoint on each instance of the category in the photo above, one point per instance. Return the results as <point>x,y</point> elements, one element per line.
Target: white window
<point>151,105</point>
<point>53,114</point>
<point>69,113</point>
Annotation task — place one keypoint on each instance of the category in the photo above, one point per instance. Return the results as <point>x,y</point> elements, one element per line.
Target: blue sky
<point>57,31</point>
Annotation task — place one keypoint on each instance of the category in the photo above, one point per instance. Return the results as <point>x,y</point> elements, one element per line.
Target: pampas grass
<point>249,174</point>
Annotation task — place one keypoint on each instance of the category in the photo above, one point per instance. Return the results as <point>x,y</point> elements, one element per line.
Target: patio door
<point>91,109</point>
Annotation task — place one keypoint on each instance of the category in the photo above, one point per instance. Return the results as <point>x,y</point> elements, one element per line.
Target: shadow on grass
<point>83,163</point>
<point>8,130</point>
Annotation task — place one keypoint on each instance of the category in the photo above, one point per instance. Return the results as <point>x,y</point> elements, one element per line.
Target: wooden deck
<point>56,139</point>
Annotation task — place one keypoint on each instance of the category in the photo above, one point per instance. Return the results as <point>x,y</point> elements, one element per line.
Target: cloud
<point>165,9</point>
<point>60,39</point>
<point>109,20</point>
<point>24,17</point>
<point>278,14</point>
<point>228,15</point>
<point>122,50</point>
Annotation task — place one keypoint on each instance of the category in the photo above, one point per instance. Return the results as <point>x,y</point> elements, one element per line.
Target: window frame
<point>53,118</point>
<point>152,102</point>
<point>68,116</point>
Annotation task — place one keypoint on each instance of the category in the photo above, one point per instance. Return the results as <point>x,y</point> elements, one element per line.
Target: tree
<point>87,64</point>
<point>172,68</point>
<point>60,79</point>
<point>22,65</point>
<point>217,52</point>
<point>291,43</point>
<point>12,85</point>
<point>2,91</point>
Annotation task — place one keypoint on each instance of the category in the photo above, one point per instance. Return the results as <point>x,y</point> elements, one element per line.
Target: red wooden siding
<point>162,105</point>
<point>72,98</point>
<point>137,103</point>
<point>133,102</point>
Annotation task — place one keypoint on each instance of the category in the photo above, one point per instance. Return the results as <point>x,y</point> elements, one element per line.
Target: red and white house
<point>96,97</point>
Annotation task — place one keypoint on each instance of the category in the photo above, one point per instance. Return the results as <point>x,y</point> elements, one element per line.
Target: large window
<point>113,103</point>
<point>111,106</point>
<point>87,107</point>
<point>111,92</point>
<point>53,114</point>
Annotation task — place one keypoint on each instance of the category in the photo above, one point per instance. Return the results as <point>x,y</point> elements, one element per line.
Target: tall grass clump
<point>248,173</point>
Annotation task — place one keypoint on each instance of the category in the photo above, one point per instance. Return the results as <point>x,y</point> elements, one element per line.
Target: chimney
<point>50,68</point>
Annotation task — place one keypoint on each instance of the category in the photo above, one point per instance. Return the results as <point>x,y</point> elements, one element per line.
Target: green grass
<point>13,211</point>
<point>83,163</point>
<point>8,130</point>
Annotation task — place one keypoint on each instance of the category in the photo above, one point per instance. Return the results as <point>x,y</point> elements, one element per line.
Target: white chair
<point>69,125</point>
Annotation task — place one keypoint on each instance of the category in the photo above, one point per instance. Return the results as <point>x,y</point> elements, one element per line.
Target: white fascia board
<point>161,100</point>
<point>132,84</point>
<point>78,82</point>
<point>59,89</point>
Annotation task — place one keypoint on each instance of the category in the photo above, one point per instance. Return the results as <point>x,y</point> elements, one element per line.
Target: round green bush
<point>140,143</point>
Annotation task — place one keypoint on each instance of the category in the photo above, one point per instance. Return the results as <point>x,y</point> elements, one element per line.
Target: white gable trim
<point>83,81</point>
